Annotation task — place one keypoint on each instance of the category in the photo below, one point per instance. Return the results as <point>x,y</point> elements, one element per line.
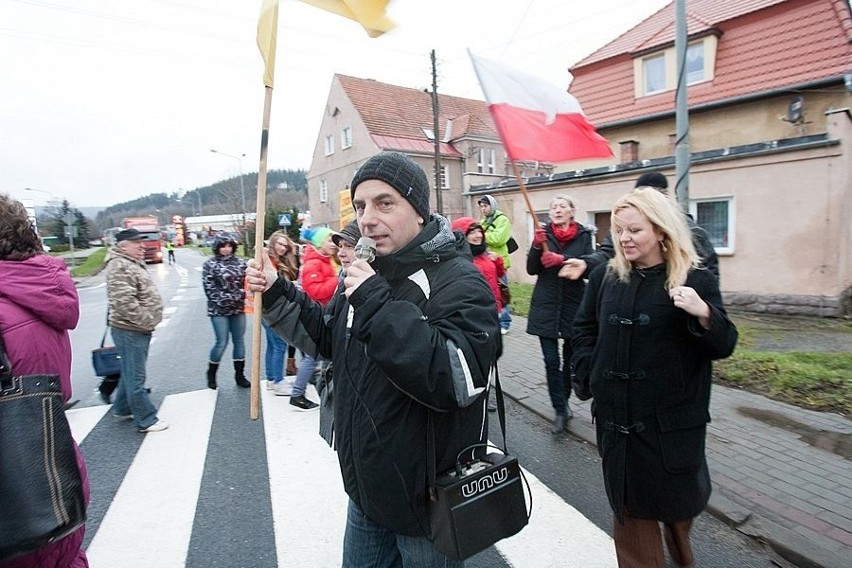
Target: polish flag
<point>535,119</point>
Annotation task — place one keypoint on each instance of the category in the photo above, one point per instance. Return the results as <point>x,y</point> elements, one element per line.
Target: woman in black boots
<point>222,277</point>
<point>555,299</point>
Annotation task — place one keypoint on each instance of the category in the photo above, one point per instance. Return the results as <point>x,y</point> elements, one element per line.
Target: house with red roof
<point>363,117</point>
<point>769,89</point>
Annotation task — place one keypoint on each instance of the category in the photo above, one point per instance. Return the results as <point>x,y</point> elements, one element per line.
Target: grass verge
<point>815,380</point>
<point>92,265</point>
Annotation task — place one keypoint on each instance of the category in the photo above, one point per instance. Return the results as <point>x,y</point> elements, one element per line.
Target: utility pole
<point>681,110</point>
<point>439,201</point>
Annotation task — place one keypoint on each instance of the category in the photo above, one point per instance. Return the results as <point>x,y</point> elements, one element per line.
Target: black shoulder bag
<point>476,504</point>
<point>106,360</point>
<point>41,489</point>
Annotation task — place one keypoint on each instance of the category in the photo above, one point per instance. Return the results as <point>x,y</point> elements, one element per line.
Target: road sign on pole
<point>284,220</point>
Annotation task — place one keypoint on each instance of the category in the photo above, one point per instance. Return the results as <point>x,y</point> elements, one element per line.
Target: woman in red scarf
<point>555,299</point>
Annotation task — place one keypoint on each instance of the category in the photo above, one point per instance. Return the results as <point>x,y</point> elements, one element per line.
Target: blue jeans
<point>558,377</point>
<point>131,396</point>
<point>369,545</point>
<point>275,350</point>
<point>505,316</point>
<point>306,370</point>
<point>222,325</point>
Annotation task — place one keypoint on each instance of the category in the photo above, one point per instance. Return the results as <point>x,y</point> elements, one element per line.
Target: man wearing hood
<point>498,231</point>
<point>416,349</point>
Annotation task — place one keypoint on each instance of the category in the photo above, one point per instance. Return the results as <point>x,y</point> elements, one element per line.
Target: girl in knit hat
<point>319,281</point>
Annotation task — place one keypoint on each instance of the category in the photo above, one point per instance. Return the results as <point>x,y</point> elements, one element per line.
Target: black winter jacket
<point>223,279</point>
<point>649,364</point>
<point>555,300</point>
<point>419,338</point>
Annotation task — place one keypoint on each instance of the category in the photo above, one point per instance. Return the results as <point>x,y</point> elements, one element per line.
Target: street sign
<point>284,220</point>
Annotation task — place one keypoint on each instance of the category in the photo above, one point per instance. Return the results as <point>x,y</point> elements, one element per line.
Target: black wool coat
<point>649,366</point>
<point>555,300</point>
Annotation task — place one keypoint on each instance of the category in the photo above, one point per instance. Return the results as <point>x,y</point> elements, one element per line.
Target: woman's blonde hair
<point>286,264</point>
<point>663,213</point>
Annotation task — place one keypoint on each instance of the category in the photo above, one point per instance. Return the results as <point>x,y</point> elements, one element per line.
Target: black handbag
<point>511,245</point>
<point>106,360</point>
<point>41,489</point>
<point>479,503</point>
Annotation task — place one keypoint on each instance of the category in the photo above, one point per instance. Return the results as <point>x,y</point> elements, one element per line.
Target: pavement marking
<point>303,469</point>
<point>557,535</point>
<point>149,522</point>
<point>83,420</point>
<point>170,310</point>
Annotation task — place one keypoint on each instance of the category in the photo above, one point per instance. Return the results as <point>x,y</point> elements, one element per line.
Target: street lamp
<point>239,159</point>
<point>191,204</point>
<point>69,225</point>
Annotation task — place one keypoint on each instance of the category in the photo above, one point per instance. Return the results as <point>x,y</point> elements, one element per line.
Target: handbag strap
<point>430,436</point>
<point>5,364</point>
<point>106,329</point>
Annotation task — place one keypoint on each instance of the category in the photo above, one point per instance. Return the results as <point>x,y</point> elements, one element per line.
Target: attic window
<point>428,133</point>
<point>657,72</point>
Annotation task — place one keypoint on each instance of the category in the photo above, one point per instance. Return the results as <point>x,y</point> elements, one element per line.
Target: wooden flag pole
<point>260,216</point>
<point>523,189</point>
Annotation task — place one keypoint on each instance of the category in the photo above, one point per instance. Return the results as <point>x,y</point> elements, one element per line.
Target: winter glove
<point>550,259</point>
<point>539,237</point>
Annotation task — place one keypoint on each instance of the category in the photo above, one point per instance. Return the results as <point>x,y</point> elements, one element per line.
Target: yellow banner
<point>347,212</point>
<point>267,34</point>
<point>369,13</point>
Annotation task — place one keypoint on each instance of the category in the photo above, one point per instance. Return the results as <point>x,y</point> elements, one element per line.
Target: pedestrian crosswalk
<point>154,513</point>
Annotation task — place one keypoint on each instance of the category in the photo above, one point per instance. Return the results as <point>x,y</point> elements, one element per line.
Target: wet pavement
<point>781,474</point>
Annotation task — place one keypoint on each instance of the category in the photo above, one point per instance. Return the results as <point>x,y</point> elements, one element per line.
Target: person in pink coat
<point>38,305</point>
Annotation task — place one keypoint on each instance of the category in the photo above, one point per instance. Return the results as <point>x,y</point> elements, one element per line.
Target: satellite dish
<point>794,111</point>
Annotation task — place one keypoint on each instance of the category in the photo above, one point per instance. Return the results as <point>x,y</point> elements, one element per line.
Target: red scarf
<point>565,235</point>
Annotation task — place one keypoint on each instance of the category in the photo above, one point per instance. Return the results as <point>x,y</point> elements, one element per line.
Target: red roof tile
<point>808,42</point>
<point>396,115</point>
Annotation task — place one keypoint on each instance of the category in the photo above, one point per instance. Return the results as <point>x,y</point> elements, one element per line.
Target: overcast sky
<point>103,101</point>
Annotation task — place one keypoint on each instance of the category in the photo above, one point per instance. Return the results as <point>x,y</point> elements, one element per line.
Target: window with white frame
<point>323,193</point>
<point>445,182</point>
<point>716,216</point>
<point>695,62</point>
<point>657,72</point>
<point>329,145</point>
<point>486,161</point>
<point>346,138</point>
<point>654,72</point>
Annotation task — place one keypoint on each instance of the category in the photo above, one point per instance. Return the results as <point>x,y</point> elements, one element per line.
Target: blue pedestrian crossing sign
<point>284,220</point>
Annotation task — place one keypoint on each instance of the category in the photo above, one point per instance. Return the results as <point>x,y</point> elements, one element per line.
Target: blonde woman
<point>648,327</point>
<point>282,255</point>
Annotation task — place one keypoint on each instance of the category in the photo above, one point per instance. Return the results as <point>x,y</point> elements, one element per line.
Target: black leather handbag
<point>41,490</point>
<point>106,360</point>
<point>479,503</point>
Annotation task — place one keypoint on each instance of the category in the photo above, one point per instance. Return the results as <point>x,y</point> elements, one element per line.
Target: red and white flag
<point>536,119</point>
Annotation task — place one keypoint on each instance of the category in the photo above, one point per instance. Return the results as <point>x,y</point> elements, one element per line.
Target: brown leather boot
<point>291,366</point>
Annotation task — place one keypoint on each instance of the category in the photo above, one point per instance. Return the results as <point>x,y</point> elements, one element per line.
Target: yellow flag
<point>369,13</point>
<point>267,34</point>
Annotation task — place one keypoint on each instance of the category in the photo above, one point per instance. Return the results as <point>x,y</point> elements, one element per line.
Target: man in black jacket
<point>412,338</point>
<point>579,268</point>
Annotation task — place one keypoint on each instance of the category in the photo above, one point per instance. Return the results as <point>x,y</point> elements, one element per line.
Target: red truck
<point>151,231</point>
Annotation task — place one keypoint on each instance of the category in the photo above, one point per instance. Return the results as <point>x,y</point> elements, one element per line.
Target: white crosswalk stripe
<point>159,494</point>
<point>160,490</point>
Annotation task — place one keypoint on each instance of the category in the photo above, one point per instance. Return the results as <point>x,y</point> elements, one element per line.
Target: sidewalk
<point>780,474</point>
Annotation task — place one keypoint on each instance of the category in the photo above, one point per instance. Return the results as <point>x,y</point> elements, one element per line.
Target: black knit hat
<point>652,179</point>
<point>401,173</point>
